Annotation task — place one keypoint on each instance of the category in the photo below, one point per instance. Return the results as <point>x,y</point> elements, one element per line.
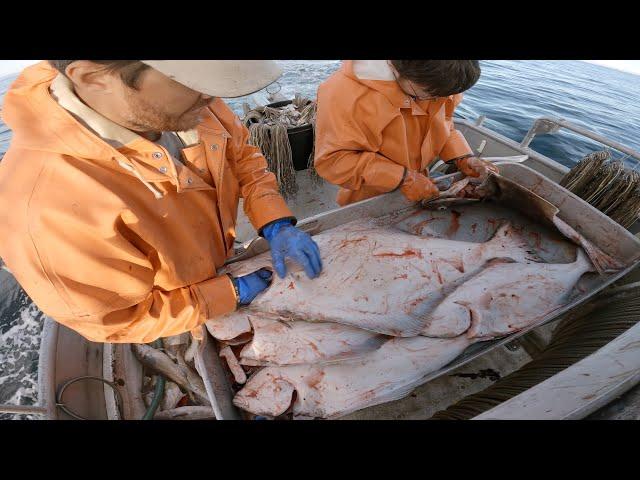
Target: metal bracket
<point>541,125</point>
<point>552,125</point>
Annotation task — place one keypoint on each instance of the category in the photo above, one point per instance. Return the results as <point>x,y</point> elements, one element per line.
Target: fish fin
<point>583,260</point>
<point>406,326</point>
<point>392,396</point>
<point>602,262</point>
<point>508,243</point>
<point>397,392</point>
<point>358,351</point>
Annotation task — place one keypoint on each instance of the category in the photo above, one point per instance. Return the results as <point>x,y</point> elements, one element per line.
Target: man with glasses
<point>381,124</point>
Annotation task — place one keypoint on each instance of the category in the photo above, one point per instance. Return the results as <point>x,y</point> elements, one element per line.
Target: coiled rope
<point>268,131</point>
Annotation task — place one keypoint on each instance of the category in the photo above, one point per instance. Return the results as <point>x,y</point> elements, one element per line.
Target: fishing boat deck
<point>314,198</point>
<point>66,355</point>
<point>317,197</point>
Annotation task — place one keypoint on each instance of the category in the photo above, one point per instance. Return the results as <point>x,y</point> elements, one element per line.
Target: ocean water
<point>511,94</point>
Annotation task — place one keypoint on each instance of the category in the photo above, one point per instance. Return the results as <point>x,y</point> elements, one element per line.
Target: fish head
<point>266,393</point>
<point>475,318</point>
<point>449,320</point>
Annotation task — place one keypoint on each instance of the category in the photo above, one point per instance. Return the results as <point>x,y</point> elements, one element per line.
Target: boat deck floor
<point>626,407</point>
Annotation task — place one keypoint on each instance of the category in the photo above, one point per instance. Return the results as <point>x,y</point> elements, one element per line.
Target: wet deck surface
<point>312,198</point>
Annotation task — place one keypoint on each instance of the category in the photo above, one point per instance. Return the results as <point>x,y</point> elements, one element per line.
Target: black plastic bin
<point>300,139</point>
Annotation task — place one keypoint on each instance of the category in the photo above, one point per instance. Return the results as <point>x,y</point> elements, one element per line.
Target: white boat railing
<point>544,125</point>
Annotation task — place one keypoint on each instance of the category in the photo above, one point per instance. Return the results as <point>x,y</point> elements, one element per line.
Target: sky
<point>632,66</point>
<point>14,66</point>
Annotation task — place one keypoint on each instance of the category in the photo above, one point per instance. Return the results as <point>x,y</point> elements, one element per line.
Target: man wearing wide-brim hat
<point>120,192</point>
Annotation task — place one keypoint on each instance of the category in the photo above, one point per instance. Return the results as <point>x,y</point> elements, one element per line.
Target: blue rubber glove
<point>287,241</point>
<point>249,286</point>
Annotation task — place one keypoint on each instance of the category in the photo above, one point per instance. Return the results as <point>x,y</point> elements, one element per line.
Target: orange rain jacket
<point>123,244</point>
<point>368,130</point>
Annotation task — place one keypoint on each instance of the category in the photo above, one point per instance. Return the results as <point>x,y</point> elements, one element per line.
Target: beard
<point>143,116</point>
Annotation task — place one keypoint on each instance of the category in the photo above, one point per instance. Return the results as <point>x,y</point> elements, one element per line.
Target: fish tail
<point>507,243</point>
<point>584,263</point>
<point>595,260</point>
<point>602,262</point>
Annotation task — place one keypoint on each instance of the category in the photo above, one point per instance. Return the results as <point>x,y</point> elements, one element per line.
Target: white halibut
<point>506,297</point>
<point>291,343</point>
<point>374,278</point>
<point>328,391</point>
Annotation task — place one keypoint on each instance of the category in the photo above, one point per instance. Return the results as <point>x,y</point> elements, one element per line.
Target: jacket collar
<point>115,135</point>
<point>377,75</point>
<point>141,154</point>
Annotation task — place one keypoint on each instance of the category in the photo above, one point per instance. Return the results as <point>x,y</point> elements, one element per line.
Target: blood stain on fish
<point>251,393</point>
<point>456,263</point>
<point>315,379</point>
<point>417,302</point>
<point>403,276</point>
<point>437,272</point>
<point>455,224</point>
<point>344,243</point>
<point>418,227</point>
<point>291,287</point>
<point>537,239</point>
<point>407,253</point>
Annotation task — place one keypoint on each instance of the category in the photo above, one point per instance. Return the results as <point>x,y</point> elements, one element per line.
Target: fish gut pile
<point>184,396</point>
<point>389,308</point>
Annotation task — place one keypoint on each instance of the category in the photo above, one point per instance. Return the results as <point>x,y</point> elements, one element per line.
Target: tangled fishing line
<point>268,128</point>
<point>607,185</point>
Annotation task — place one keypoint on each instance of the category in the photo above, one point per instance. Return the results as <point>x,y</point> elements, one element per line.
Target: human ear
<point>90,76</point>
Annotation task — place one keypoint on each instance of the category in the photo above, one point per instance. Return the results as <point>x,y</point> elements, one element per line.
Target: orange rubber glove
<point>417,186</point>
<point>474,167</point>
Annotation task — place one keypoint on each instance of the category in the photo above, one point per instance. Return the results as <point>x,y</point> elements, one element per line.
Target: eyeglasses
<point>415,96</point>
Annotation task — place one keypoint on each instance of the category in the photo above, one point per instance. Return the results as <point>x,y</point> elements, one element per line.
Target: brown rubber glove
<point>417,186</point>
<point>474,167</point>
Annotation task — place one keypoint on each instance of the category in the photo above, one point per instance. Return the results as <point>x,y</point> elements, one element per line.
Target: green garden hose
<point>158,392</point>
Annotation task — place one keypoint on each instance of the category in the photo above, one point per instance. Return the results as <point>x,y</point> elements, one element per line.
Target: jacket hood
<point>376,75</point>
<point>38,122</point>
